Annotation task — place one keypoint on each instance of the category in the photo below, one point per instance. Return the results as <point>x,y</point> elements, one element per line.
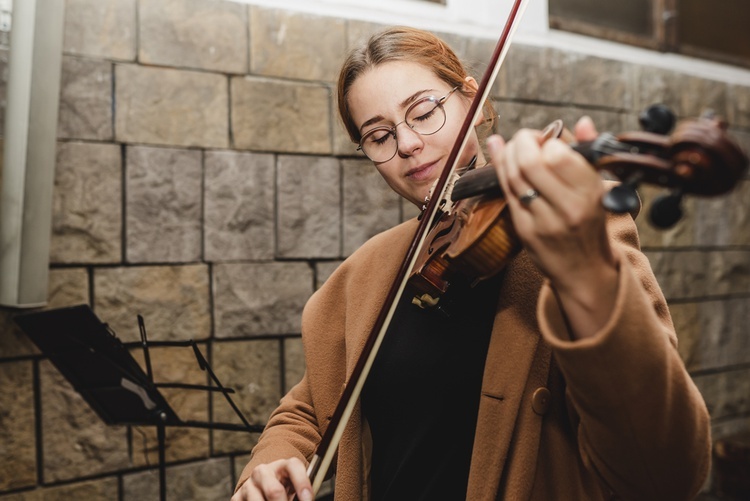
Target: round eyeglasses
<point>425,117</point>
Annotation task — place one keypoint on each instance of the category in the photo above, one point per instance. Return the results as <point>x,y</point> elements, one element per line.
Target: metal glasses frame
<point>439,102</point>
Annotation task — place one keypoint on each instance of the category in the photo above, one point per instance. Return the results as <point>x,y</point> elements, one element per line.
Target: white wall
<point>485,18</point>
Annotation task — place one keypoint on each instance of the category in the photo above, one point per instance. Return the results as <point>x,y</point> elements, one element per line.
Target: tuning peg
<point>623,197</point>
<point>666,210</point>
<point>657,118</point>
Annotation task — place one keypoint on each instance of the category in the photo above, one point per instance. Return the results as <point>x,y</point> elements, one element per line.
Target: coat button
<point>540,401</point>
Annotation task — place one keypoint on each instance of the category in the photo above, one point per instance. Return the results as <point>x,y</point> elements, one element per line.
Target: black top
<point>422,396</point>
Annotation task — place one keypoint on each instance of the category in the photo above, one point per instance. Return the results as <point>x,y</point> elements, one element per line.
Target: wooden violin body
<point>471,244</point>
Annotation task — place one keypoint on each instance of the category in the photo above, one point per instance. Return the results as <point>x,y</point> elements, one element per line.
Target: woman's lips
<point>421,172</point>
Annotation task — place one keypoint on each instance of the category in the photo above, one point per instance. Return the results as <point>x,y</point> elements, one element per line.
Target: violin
<point>473,238</point>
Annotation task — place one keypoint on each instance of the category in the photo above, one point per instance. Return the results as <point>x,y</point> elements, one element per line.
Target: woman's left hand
<point>554,197</point>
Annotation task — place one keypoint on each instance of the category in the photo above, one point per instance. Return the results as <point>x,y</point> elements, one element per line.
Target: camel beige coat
<point>611,417</point>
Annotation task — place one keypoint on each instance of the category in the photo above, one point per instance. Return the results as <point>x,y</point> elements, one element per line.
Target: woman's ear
<point>470,84</point>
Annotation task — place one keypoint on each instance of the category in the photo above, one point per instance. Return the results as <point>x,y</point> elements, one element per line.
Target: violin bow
<point>321,460</point>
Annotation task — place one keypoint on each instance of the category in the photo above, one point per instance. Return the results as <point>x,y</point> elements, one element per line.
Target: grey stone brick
<point>603,82</point>
<point>342,143</point>
<point>681,274</point>
<point>687,96</point>
<point>68,287</point>
<point>105,488</point>
<point>252,369</point>
<point>239,464</point>
<point>174,301</point>
<point>370,205</point>
<point>686,319</point>
<point>85,99</point>
<point>729,272</point>
<point>205,480</point>
<point>309,218</point>
<point>739,107</point>
<point>4,54</point>
<point>727,394</point>
<point>163,205</point>
<point>239,212</point>
<point>76,441</point>
<point>296,45</point>
<point>720,336</point>
<point>194,34</point>
<point>557,75</point>
<point>741,138</point>
<point>700,96</point>
<point>477,55</point>
<point>275,115</point>
<point>524,75</point>
<point>171,107</point>
<point>323,270</point>
<point>658,86</point>
<point>101,29</point>
<point>260,299</point>
<point>294,362</point>
<point>724,220</point>
<point>738,202</point>
<point>727,427</point>
<point>17,430</point>
<point>359,32</point>
<point>86,215</point>
<point>514,116</point>
<point>457,43</point>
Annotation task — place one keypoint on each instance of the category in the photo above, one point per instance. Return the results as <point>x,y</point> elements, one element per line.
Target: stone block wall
<point>203,181</point>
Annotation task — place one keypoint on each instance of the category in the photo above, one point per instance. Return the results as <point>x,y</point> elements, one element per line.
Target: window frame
<point>663,39</point>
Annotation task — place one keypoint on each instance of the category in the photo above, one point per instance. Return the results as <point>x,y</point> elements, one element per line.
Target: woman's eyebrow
<point>406,102</point>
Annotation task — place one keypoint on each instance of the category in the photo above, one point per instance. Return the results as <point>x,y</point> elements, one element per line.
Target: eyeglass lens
<point>425,117</point>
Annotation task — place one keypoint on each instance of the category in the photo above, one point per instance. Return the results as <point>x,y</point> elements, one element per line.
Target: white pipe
<point>34,70</point>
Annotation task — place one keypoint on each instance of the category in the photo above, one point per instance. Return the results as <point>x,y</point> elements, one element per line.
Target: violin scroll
<point>698,158</point>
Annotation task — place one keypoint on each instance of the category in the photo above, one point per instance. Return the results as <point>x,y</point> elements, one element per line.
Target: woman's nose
<point>409,141</point>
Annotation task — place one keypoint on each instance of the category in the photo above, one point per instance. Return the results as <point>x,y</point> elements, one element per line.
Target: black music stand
<point>100,367</point>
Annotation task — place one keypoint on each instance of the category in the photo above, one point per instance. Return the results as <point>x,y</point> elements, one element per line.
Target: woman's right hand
<point>277,481</point>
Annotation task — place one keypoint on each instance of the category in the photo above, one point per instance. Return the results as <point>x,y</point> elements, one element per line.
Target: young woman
<point>557,379</point>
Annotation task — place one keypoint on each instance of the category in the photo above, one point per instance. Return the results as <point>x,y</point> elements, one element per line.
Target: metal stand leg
<point>162,463</point>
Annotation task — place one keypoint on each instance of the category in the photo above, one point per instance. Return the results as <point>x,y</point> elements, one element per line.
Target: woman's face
<point>381,97</point>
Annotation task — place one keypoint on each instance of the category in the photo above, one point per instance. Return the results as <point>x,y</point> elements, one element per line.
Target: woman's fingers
<point>298,477</point>
<point>585,130</point>
<point>266,478</point>
<point>276,481</point>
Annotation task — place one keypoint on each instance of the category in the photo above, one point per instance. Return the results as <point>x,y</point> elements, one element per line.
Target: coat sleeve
<point>643,426</point>
<point>292,431</point>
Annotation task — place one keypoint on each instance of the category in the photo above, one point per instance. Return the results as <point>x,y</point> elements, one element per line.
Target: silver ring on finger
<point>529,196</point>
